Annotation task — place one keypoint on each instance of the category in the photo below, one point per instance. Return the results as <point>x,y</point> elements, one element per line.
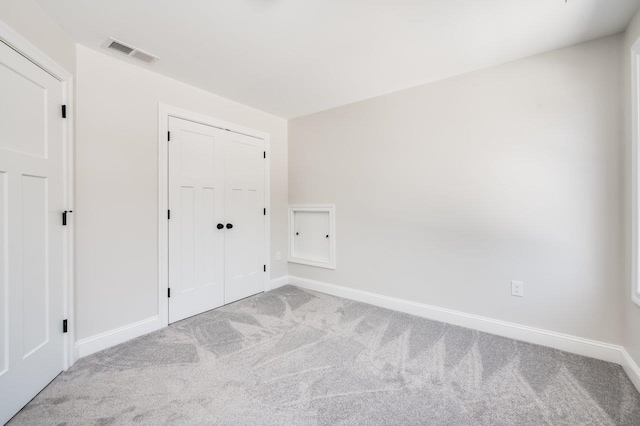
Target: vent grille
<point>141,56</point>
<point>120,47</point>
<point>131,51</point>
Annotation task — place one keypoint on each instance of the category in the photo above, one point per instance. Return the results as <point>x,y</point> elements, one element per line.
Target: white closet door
<point>244,210</point>
<point>31,231</point>
<point>196,203</point>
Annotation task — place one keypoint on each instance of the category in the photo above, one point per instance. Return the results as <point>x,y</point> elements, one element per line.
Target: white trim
<point>631,368</point>
<point>116,336</point>
<point>35,55</point>
<point>635,123</point>
<point>31,52</point>
<point>325,208</point>
<point>163,203</point>
<point>69,243</point>
<point>564,342</point>
<point>164,112</point>
<point>278,282</point>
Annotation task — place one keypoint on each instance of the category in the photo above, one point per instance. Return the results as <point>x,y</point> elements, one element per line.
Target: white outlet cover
<point>517,288</point>
<point>278,255</point>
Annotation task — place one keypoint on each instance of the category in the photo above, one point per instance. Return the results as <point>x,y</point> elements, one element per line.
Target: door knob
<point>229,226</point>
<point>220,226</point>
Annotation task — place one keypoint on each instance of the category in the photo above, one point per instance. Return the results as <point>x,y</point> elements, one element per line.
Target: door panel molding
<point>164,113</point>
<point>35,173</point>
<point>196,201</point>
<point>18,43</point>
<point>244,186</point>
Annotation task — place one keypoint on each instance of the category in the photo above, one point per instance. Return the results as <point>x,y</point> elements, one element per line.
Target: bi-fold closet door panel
<point>196,207</point>
<point>244,209</point>
<point>216,224</point>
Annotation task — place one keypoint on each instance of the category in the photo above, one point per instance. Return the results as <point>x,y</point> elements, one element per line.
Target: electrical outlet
<point>278,255</point>
<point>517,288</point>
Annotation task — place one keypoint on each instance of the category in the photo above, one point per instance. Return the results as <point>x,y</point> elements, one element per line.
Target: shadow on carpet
<point>297,357</point>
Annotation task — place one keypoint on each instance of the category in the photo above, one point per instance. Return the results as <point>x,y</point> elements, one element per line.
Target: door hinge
<point>64,111</point>
<point>64,217</point>
<point>265,211</point>
<point>169,292</point>
<point>169,136</point>
<point>264,154</point>
<point>168,214</point>
<point>265,268</point>
<point>64,326</point>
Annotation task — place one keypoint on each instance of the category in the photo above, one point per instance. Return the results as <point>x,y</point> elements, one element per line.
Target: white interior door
<point>244,210</point>
<point>31,231</point>
<point>196,206</point>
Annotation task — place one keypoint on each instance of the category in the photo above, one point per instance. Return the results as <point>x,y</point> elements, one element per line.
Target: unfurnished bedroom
<point>278,212</point>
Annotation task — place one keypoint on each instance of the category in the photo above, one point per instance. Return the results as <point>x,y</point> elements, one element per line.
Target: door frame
<point>164,113</point>
<point>18,43</point>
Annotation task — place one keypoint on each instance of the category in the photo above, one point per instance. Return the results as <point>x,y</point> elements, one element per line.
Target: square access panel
<point>312,239</point>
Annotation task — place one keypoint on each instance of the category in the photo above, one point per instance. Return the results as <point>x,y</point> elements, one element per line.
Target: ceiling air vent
<point>133,52</point>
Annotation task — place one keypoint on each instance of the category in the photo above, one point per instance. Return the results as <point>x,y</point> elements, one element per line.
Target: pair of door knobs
<point>229,226</point>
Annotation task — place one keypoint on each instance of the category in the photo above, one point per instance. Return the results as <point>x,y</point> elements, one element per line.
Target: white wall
<point>631,310</point>
<point>116,185</point>
<point>460,186</point>
<point>448,191</point>
<point>29,20</point>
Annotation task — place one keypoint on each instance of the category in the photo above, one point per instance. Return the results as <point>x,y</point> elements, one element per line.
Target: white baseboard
<point>114,337</point>
<point>278,282</point>
<point>564,342</point>
<point>631,368</point>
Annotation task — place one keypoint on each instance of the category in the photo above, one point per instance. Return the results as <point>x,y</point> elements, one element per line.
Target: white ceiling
<point>295,57</point>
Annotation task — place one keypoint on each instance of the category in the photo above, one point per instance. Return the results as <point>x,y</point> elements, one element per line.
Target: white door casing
<point>196,204</point>
<point>32,238</point>
<point>216,217</point>
<point>167,113</point>
<point>245,263</point>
